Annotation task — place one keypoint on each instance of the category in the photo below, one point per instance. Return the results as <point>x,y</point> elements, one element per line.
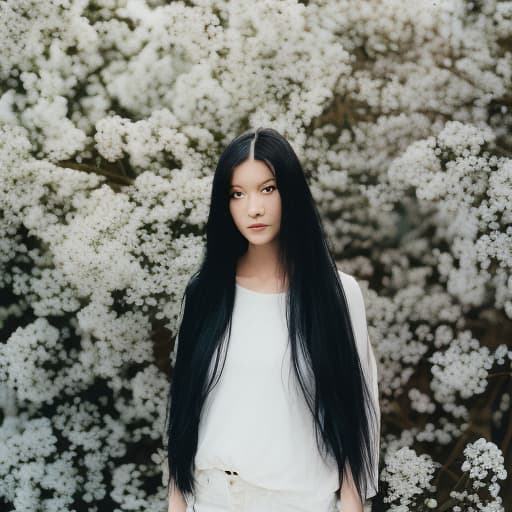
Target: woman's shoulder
<point>354,297</point>
<point>357,312</point>
<point>350,285</point>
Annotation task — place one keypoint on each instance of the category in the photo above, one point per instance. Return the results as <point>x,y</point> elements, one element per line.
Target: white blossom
<point>461,369</point>
<point>407,475</point>
<point>484,463</point>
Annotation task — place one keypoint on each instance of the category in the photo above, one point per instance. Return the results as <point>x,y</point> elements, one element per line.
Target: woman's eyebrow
<point>262,183</point>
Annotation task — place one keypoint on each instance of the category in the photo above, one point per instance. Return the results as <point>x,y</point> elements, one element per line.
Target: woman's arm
<point>177,502</point>
<point>349,497</point>
<point>369,365</point>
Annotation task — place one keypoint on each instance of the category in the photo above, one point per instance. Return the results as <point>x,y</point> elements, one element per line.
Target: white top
<point>255,420</point>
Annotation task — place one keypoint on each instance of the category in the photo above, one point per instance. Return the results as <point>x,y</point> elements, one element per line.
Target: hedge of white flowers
<point>112,116</point>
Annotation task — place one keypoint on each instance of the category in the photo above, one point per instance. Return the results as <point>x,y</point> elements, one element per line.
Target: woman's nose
<point>255,206</point>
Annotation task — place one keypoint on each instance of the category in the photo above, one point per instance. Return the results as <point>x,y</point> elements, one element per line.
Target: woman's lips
<point>257,228</point>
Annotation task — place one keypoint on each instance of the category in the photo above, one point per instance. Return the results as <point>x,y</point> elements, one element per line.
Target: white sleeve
<point>174,352</point>
<point>369,364</point>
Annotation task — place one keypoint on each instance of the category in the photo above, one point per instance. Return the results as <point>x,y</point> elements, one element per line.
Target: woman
<point>273,398</point>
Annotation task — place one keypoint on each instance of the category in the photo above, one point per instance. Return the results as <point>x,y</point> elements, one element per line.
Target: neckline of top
<point>276,294</point>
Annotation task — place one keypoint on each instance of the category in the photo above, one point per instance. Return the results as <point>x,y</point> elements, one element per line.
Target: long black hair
<point>317,315</point>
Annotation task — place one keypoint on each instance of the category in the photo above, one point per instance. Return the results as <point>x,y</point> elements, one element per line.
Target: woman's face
<point>254,199</point>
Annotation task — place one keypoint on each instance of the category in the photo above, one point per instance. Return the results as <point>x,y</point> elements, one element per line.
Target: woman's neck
<point>259,270</point>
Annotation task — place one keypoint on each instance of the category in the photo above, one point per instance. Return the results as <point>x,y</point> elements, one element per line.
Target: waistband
<point>233,485</point>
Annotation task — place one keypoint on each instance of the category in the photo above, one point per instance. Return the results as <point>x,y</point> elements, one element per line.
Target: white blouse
<point>255,420</point>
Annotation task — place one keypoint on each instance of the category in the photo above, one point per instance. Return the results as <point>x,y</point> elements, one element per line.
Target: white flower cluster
<point>152,142</point>
<point>38,362</point>
<point>421,402</point>
<point>128,487</point>
<point>147,407</point>
<point>34,196</point>
<point>25,470</point>
<point>443,433</point>
<point>503,408</point>
<point>48,50</point>
<point>484,465</point>
<point>408,476</point>
<point>461,369</point>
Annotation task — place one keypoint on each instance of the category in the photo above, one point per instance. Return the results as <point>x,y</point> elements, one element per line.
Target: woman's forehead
<point>251,173</point>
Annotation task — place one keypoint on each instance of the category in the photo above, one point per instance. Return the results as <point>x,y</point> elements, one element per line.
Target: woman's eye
<point>238,191</point>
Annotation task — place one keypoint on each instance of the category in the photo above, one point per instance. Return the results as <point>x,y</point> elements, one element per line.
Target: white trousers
<point>217,491</point>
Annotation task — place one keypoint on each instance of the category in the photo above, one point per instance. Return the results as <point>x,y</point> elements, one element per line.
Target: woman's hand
<point>177,502</point>
<point>349,497</point>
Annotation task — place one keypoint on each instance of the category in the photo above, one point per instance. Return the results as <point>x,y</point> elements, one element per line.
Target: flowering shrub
<point>112,116</point>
